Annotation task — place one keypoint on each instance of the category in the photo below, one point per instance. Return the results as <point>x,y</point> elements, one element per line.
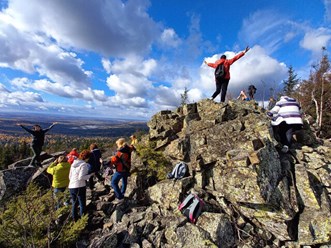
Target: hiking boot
<point>285,149</point>
<point>118,201</point>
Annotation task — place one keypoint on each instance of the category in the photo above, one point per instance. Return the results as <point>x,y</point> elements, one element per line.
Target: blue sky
<point>131,59</point>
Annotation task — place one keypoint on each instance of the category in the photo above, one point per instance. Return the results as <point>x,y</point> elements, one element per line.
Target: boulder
<point>219,227</point>
<point>168,192</point>
<point>189,235</point>
<point>14,181</point>
<point>315,220</point>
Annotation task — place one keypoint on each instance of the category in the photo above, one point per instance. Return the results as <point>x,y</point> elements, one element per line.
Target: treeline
<point>14,148</point>
<point>314,95</point>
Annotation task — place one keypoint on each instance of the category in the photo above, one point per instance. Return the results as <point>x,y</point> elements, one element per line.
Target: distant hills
<point>70,125</point>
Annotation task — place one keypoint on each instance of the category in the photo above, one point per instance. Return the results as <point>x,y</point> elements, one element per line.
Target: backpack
<point>219,71</point>
<point>191,207</point>
<point>180,171</point>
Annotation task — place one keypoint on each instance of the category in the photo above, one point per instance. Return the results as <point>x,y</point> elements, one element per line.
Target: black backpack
<point>219,71</point>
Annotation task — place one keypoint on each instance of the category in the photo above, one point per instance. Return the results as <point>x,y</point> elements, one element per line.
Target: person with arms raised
<point>37,142</point>
<point>222,81</point>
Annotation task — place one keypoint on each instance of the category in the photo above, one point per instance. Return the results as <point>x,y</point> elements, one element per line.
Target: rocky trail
<point>254,195</point>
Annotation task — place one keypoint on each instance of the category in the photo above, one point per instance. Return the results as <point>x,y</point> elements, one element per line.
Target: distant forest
<point>68,134</point>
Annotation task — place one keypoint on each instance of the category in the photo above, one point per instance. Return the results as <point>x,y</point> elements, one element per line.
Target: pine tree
<point>291,82</point>
<point>184,97</point>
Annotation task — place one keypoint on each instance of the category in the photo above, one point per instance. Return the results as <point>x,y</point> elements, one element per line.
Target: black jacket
<point>38,136</point>
<point>94,161</point>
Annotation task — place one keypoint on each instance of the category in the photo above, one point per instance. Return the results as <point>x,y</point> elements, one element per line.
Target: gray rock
<point>219,227</point>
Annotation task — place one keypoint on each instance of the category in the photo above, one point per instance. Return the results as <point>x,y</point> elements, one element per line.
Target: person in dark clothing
<point>251,91</point>
<point>222,83</point>
<point>94,164</point>
<point>37,142</point>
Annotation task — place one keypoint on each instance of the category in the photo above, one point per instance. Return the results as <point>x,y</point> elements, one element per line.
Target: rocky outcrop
<point>254,195</point>
<point>233,155</point>
<point>18,175</point>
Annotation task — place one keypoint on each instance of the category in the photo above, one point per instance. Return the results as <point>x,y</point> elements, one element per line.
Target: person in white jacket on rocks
<point>77,184</point>
<point>286,118</point>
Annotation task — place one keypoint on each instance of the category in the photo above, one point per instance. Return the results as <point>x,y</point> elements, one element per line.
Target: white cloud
<point>131,77</point>
<point>266,28</point>
<point>314,40</point>
<point>107,27</point>
<point>21,51</point>
<point>170,38</point>
<point>3,89</point>
<point>21,83</point>
<point>106,65</point>
<point>18,98</point>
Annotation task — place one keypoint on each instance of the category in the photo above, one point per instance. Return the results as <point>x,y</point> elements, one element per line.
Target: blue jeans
<point>57,190</point>
<point>78,196</point>
<point>114,183</point>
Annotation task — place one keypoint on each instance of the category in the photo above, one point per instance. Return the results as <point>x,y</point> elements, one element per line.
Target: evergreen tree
<point>184,97</point>
<point>291,82</point>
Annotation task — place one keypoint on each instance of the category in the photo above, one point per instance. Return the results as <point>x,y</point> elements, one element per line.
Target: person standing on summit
<point>38,141</point>
<point>222,81</point>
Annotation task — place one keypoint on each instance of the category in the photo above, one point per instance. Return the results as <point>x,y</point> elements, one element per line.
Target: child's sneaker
<point>118,201</point>
<point>285,149</point>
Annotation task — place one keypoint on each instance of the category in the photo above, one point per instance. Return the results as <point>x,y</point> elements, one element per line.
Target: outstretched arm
<point>25,128</point>
<point>213,65</point>
<point>50,127</point>
<point>239,55</point>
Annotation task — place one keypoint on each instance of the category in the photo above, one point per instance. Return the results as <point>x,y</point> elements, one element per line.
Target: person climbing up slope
<point>286,117</point>
<point>122,163</point>
<point>37,142</point>
<point>94,164</point>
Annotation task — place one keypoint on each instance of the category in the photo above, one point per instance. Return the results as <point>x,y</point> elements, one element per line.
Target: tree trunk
<point>316,107</point>
<point>321,107</point>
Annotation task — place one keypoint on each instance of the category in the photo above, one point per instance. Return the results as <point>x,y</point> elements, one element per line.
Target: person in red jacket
<point>72,155</point>
<point>122,163</point>
<point>222,83</point>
